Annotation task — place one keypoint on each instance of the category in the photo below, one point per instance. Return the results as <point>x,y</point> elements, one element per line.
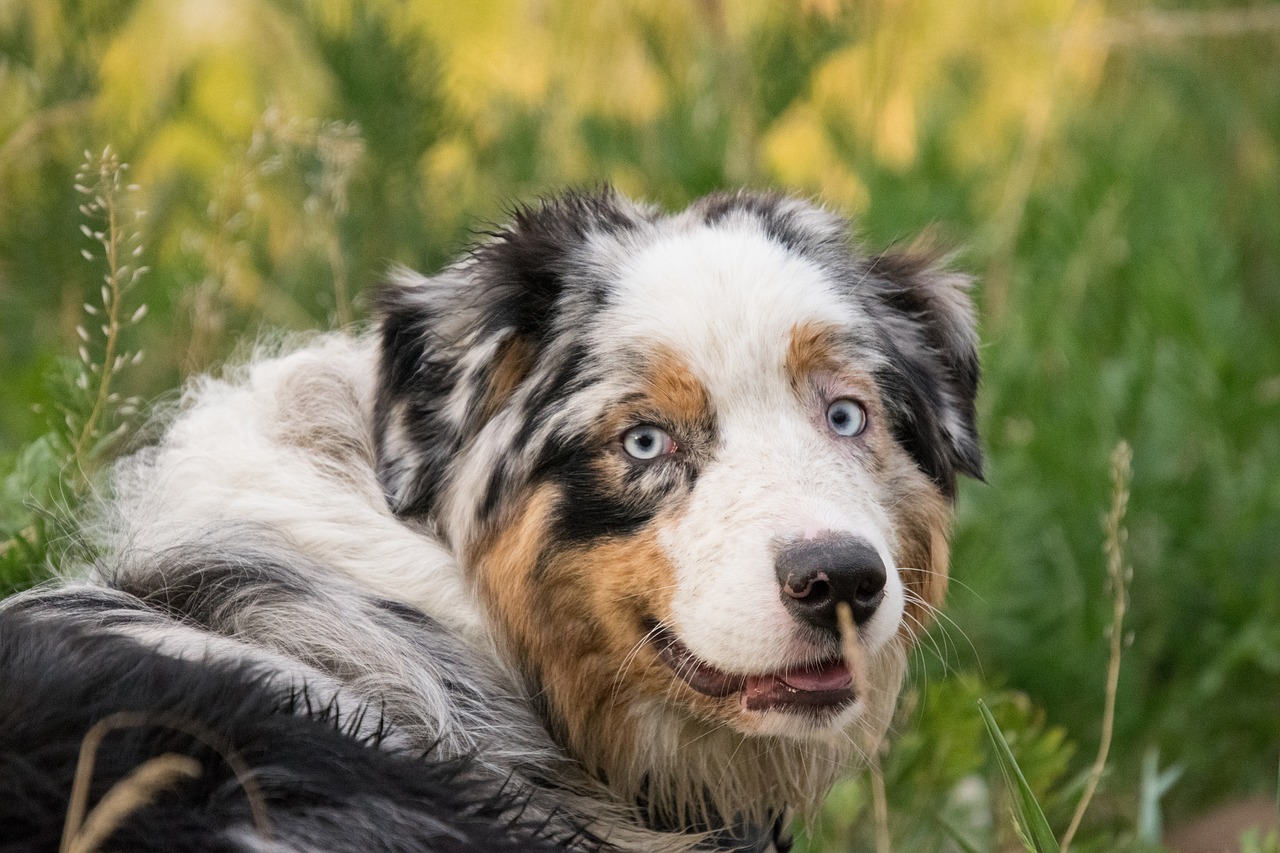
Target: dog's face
<point>671,448</point>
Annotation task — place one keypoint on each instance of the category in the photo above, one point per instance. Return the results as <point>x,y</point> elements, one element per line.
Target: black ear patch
<point>523,268</point>
<point>930,380</point>
<point>455,346</point>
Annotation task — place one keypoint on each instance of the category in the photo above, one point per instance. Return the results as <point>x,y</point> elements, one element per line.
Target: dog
<point>557,556</point>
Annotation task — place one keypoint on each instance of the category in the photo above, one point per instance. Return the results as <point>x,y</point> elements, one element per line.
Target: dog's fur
<point>435,538</point>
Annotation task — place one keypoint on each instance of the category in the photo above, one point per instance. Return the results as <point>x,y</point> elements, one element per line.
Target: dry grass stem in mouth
<point>854,658</point>
<point>851,648</point>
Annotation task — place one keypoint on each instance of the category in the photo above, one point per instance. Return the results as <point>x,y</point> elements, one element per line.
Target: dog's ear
<point>438,370</point>
<point>454,347</point>
<point>931,373</point>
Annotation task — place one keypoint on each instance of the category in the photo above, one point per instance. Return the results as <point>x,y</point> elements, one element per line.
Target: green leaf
<point>1035,828</point>
<point>35,481</point>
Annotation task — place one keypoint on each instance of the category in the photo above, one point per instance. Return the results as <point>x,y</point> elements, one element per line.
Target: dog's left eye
<point>846,417</point>
<point>647,442</point>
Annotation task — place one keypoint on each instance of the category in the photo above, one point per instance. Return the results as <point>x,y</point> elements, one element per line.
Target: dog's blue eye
<point>846,417</point>
<point>647,442</point>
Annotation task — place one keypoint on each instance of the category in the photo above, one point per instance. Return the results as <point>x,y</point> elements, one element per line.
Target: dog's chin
<point>817,695</point>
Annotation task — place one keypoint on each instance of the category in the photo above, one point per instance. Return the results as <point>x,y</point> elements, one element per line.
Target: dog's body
<point>583,515</point>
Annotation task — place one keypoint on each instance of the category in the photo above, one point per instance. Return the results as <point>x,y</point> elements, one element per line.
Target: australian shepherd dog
<point>558,555</point>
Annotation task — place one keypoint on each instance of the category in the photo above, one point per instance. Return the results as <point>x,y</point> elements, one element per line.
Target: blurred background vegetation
<point>1110,170</point>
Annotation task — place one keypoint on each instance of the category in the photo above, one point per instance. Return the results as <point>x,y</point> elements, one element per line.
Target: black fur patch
<point>522,270</point>
<point>932,375</point>
<point>321,788</point>
<point>588,508</point>
<point>778,215</point>
<point>416,376</point>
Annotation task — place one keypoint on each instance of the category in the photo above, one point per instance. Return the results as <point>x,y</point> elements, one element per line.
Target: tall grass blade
<point>1035,828</point>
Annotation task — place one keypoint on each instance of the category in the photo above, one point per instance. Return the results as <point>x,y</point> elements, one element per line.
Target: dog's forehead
<point>727,299</point>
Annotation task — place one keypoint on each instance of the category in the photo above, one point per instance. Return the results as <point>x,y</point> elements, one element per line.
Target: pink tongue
<point>828,677</point>
<point>814,679</point>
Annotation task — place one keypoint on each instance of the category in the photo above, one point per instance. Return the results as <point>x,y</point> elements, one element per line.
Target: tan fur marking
<point>812,349</point>
<point>922,518</point>
<point>816,362</point>
<point>674,391</point>
<point>506,559</point>
<point>575,626</point>
<point>510,366</point>
<point>624,581</point>
<point>670,394</point>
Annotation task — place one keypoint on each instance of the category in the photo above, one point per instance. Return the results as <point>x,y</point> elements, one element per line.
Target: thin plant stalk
<point>880,806</point>
<point>1118,577</point>
<point>156,778</point>
<point>120,242</point>
<point>111,245</point>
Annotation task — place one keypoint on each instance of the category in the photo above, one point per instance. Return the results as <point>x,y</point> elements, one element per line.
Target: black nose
<point>818,574</point>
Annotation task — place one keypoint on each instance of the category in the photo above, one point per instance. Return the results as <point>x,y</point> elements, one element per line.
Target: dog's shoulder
<point>283,444</point>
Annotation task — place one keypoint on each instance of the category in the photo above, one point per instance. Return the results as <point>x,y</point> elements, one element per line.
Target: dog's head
<point>668,449</point>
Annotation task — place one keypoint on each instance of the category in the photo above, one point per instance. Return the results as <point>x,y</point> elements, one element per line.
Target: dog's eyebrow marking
<point>813,348</point>
<point>669,392</point>
<point>673,390</point>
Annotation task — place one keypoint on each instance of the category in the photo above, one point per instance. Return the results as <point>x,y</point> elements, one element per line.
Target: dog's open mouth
<point>810,689</point>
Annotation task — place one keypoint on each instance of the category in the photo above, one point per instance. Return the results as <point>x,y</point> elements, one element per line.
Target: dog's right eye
<point>647,442</point>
